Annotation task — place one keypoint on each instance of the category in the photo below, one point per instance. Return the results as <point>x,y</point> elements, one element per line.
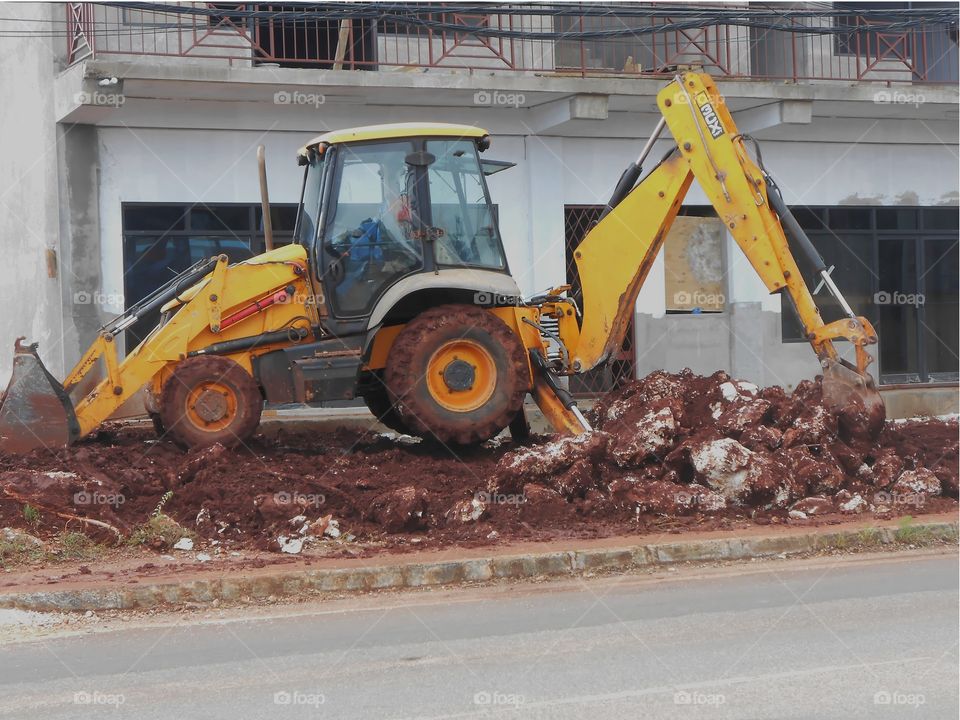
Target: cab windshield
<point>465,229</point>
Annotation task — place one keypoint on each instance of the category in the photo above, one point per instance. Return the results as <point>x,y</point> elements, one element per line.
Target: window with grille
<point>622,367</point>
<point>896,266</point>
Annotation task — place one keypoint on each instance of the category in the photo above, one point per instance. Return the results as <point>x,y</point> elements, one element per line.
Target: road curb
<point>292,583</point>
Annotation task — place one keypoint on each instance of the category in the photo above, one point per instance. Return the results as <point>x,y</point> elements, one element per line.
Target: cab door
<point>371,234</point>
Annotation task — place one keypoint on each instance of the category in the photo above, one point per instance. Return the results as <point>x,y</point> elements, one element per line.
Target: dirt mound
<point>677,444</point>
<point>670,451</point>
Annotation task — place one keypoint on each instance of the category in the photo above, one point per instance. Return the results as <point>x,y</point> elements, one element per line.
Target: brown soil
<point>671,452</point>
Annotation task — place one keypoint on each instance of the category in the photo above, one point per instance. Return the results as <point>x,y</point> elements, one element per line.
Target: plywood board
<point>693,262</point>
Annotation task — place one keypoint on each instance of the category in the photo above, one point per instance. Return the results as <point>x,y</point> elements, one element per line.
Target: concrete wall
<point>29,219</point>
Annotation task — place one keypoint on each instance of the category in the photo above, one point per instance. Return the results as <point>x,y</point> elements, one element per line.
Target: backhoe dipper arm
<point>615,257</point>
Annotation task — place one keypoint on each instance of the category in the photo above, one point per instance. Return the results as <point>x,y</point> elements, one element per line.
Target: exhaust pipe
<point>265,198</point>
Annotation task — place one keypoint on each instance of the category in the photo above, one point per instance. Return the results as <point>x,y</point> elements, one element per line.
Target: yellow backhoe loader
<point>396,289</point>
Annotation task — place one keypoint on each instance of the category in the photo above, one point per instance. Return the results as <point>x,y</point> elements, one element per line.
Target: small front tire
<point>208,400</point>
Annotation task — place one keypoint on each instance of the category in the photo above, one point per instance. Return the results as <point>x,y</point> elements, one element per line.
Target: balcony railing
<point>526,40</point>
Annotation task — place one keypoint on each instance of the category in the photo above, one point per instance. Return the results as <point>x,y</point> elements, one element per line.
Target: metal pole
<point>653,138</point>
<point>835,291</point>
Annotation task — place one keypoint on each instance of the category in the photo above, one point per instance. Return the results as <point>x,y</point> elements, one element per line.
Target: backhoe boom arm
<point>615,258</point>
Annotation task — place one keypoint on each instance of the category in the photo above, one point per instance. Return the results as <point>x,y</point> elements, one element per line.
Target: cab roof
<point>394,130</point>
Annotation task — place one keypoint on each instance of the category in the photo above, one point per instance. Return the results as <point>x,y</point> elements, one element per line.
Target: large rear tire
<point>209,399</point>
<point>457,374</point>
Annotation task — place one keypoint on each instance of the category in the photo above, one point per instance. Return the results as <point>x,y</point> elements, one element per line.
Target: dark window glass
<point>851,257</point>
<point>202,248</point>
<point>808,218</point>
<point>940,310</point>
<point>284,218</point>
<point>896,310</point>
<point>841,218</point>
<point>913,303</point>
<point>946,219</point>
<point>280,239</point>
<point>897,219</point>
<point>162,218</point>
<point>151,261</point>
<point>220,218</point>
<point>158,245</point>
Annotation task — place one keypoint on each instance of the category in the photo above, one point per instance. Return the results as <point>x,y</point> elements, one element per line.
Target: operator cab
<point>382,203</point>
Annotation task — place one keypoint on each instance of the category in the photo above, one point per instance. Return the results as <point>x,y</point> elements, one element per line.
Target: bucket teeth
<point>35,411</point>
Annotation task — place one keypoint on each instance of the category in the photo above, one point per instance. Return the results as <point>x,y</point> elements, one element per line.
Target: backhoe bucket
<point>854,398</point>
<point>35,411</point>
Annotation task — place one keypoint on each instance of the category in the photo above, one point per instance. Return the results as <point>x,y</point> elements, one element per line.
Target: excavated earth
<point>669,452</point>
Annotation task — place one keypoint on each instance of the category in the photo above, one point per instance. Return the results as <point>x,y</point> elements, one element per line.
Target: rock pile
<point>675,444</point>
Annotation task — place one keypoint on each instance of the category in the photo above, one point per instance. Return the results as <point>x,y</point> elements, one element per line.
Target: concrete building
<point>125,127</point>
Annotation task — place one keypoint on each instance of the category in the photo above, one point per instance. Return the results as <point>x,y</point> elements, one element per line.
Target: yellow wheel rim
<point>211,406</point>
<point>461,375</point>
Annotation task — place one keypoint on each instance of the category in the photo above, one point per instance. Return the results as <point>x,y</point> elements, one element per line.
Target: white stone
<point>856,504</point>
<point>291,546</point>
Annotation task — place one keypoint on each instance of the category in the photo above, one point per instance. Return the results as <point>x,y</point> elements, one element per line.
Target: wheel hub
<point>459,375</point>
<point>211,406</point>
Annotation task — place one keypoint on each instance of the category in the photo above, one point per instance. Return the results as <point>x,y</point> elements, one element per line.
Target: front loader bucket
<point>854,398</point>
<point>35,410</point>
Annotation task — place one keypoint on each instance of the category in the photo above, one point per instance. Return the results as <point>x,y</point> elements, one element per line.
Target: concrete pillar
<point>545,176</point>
<point>81,286</point>
<point>747,342</point>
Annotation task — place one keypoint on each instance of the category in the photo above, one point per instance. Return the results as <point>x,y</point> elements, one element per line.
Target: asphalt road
<point>850,638</point>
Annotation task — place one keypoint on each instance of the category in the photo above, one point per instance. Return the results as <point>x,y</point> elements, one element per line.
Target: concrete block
<point>602,559</point>
<point>787,544</point>
<point>692,551</point>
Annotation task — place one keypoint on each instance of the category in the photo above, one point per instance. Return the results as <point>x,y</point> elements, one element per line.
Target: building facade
<point>130,147</point>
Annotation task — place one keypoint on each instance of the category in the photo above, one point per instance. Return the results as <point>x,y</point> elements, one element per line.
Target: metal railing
<point>650,45</point>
